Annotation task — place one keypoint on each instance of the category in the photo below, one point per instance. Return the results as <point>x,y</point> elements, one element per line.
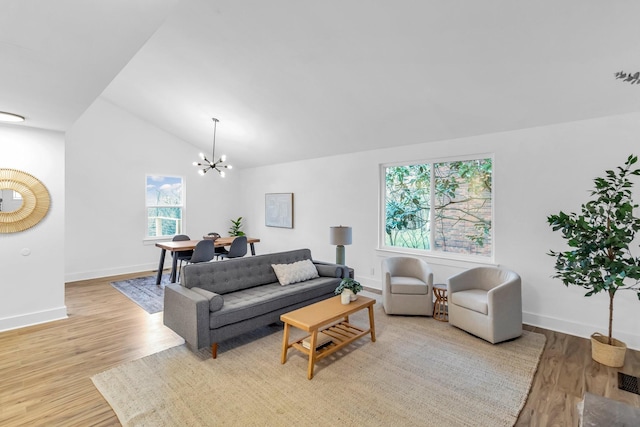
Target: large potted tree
<point>600,258</point>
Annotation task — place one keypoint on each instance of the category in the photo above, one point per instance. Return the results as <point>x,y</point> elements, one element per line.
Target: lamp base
<point>340,255</point>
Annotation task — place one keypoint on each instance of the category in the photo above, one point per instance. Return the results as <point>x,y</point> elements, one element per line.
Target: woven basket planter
<point>609,355</point>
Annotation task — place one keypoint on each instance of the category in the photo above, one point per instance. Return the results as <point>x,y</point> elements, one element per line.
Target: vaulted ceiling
<point>291,80</point>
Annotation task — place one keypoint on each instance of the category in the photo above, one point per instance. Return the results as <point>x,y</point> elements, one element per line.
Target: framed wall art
<point>278,210</point>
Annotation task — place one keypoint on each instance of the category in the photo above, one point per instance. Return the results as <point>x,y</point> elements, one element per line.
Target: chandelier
<point>207,164</point>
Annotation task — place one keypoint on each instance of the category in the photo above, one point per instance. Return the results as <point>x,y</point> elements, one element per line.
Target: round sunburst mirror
<point>29,208</point>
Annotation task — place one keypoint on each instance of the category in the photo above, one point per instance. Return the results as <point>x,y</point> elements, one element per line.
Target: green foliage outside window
<point>443,206</point>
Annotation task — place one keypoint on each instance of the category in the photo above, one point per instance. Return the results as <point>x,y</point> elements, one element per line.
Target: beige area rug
<point>419,372</point>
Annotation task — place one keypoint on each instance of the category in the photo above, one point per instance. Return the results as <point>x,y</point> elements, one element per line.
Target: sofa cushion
<point>295,272</point>
<point>248,303</point>
<point>473,299</point>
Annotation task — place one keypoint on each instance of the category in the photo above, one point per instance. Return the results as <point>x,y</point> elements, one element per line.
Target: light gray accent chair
<point>407,287</point>
<point>486,302</point>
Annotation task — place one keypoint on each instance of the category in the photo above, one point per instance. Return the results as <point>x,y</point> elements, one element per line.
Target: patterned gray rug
<point>144,291</point>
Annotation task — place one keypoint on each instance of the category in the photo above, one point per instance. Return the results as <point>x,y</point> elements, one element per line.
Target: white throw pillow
<point>295,272</point>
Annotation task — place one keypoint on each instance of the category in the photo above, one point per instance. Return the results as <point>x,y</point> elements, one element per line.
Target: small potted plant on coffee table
<point>348,289</point>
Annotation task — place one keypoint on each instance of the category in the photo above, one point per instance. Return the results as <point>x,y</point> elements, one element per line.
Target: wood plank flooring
<point>565,372</point>
<point>45,370</point>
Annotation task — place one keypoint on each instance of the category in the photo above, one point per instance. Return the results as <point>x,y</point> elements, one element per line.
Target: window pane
<point>164,221</point>
<point>164,190</point>
<point>457,195</point>
<point>407,206</point>
<point>164,200</point>
<point>462,209</point>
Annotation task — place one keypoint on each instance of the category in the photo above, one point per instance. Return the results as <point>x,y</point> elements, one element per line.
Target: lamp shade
<point>340,235</point>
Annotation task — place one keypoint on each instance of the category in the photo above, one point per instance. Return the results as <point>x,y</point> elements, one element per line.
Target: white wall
<point>32,286</point>
<point>537,172</point>
<point>109,152</point>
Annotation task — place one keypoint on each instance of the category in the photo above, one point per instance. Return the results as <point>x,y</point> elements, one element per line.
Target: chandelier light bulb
<point>212,164</point>
<point>229,167</point>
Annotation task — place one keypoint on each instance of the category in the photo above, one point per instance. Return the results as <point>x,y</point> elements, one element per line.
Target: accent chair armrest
<point>506,299</point>
<point>426,274</point>
<point>460,282</point>
<point>386,281</point>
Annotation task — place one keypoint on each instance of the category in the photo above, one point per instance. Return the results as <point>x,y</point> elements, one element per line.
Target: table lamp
<point>340,236</point>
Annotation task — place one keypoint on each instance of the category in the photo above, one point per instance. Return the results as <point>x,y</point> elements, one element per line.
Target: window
<point>16,195</point>
<point>165,205</point>
<point>444,206</point>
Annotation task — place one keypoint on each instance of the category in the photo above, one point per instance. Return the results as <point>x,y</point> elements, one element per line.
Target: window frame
<point>382,191</point>
<point>183,208</point>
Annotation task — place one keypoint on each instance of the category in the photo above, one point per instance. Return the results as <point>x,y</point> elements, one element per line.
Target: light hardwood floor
<point>45,370</point>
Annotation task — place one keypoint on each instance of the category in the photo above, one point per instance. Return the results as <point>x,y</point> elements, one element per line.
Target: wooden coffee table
<point>330,317</point>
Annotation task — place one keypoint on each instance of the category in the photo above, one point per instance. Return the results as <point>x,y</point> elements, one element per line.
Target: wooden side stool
<point>440,311</point>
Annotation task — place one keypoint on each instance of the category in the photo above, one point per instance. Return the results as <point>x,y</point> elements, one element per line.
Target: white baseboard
<point>370,282</point>
<point>578,329</point>
<point>559,325</point>
<point>30,319</point>
<point>95,274</point>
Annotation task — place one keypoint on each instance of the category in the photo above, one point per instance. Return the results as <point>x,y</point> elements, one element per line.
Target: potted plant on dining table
<point>235,230</point>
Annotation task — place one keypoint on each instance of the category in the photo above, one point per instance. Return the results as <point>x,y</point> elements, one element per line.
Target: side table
<point>440,311</point>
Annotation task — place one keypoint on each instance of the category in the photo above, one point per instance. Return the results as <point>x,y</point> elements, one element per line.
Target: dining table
<point>188,245</point>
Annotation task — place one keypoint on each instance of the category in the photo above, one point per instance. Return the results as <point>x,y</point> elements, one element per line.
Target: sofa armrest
<point>216,301</point>
<point>327,269</point>
<point>187,313</point>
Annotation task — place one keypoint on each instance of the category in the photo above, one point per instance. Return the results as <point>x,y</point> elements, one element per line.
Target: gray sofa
<point>219,300</point>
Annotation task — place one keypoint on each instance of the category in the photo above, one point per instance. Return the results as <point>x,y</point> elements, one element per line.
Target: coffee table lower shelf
<point>342,334</point>
<point>331,318</point>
